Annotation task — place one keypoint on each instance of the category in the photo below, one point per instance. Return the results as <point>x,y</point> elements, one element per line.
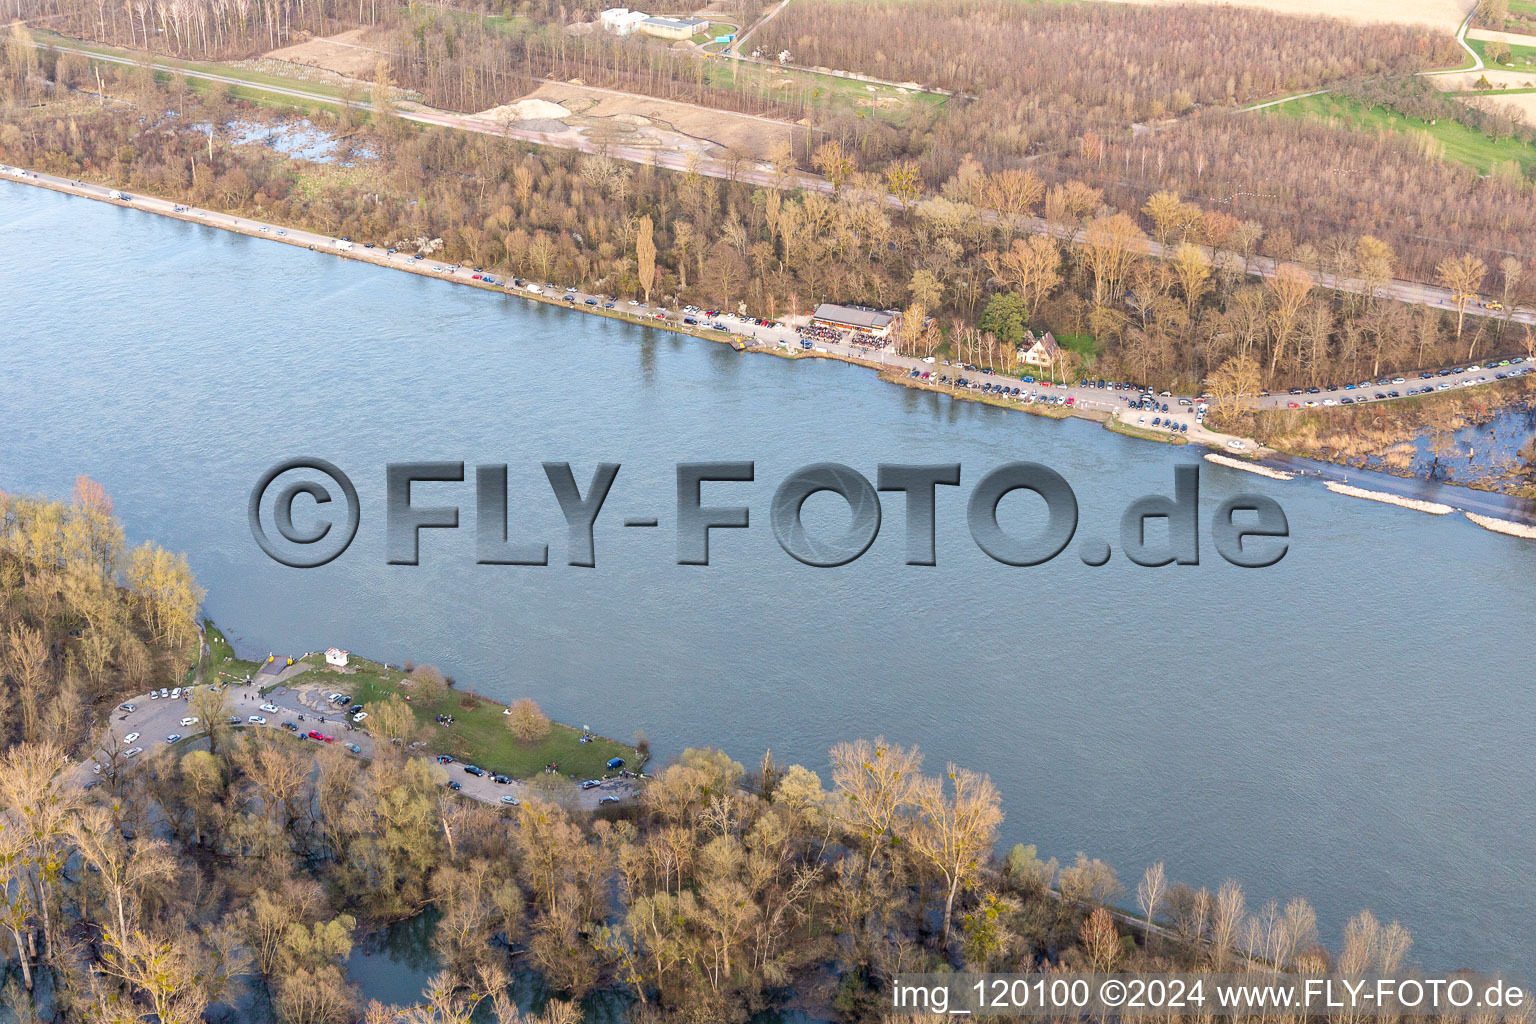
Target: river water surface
<point>1353,725</point>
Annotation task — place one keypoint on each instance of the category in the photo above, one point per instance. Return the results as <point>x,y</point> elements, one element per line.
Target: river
<point>1352,725</point>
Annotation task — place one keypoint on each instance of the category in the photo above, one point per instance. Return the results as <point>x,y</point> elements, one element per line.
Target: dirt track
<point>714,132</point>
<point>346,54</point>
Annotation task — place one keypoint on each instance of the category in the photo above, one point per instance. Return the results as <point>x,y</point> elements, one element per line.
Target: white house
<point>621,21</point>
<point>336,657</point>
<point>1041,351</point>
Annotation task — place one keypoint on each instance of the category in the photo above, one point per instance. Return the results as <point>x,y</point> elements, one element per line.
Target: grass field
<point>479,733</point>
<point>1455,140</point>
<point>1085,345</point>
<point>221,658</point>
<point>1519,56</point>
<point>824,91</point>
<point>715,28</point>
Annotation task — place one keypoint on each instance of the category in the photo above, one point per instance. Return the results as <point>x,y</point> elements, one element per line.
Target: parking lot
<point>155,723</point>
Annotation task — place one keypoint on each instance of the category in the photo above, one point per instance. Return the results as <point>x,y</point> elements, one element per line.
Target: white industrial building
<point>621,21</point>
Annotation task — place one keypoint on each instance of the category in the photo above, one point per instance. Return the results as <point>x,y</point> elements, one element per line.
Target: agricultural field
<point>1520,56</point>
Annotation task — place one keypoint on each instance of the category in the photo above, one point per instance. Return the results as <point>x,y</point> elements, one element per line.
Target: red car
<point>1293,405</point>
<point>322,737</point>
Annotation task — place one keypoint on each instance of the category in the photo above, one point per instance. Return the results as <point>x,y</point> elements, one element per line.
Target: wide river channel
<point>1353,725</point>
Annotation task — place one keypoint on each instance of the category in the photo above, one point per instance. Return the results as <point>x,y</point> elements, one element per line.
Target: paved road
<point>1413,292</point>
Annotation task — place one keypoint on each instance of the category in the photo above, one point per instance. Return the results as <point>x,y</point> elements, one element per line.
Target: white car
<point>271,709</point>
<point>134,752</point>
<point>257,720</point>
<point>359,716</point>
<point>1236,446</point>
<point>130,737</point>
<point>333,697</point>
<point>164,692</point>
<point>188,721</point>
<point>96,768</point>
<point>176,693</point>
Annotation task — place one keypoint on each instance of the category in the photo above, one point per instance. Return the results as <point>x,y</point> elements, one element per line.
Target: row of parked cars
<point>504,780</point>
<point>1418,389</point>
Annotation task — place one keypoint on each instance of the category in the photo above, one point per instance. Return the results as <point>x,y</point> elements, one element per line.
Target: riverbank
<point>759,339</point>
<point>479,732</point>
<point>1055,401</point>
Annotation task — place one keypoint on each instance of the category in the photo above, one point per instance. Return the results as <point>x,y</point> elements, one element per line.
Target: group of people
<point>823,333</point>
<point>445,720</point>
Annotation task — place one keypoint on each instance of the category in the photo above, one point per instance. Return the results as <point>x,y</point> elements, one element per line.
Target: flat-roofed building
<point>870,322</point>
<point>674,28</point>
<point>621,21</point>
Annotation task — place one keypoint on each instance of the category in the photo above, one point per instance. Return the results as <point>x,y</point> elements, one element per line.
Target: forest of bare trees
<point>560,216</point>
<point>1040,76</point>
<point>464,63</point>
<point>1064,112</point>
<point>210,28</point>
<point>1120,62</point>
<point>230,880</point>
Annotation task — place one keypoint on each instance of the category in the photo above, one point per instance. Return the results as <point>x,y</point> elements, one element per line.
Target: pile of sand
<point>526,110</point>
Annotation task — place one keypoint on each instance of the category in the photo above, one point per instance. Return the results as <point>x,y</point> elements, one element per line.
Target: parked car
<point>127,707</point>
<point>257,720</point>
<point>509,799</point>
<point>173,737</point>
<point>133,752</point>
<point>130,737</point>
<point>269,708</point>
<point>615,763</point>
<point>591,784</point>
<point>610,799</point>
<point>354,748</point>
<point>188,721</point>
<point>470,769</point>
